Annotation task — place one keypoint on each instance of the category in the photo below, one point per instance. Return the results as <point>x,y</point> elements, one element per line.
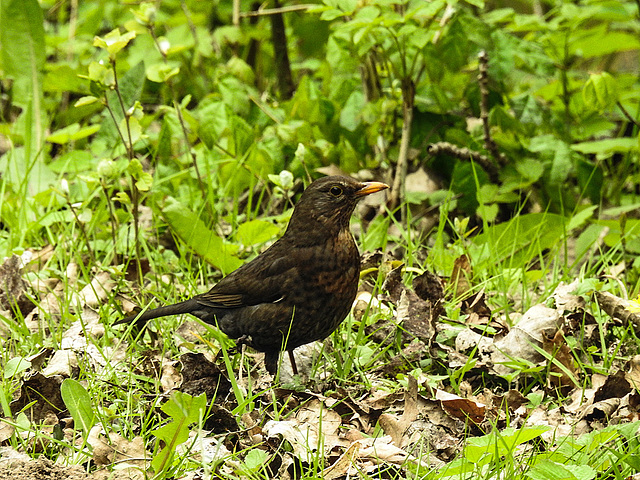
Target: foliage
<point>157,143</point>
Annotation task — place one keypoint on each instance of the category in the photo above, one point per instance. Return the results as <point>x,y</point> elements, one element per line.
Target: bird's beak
<point>370,187</point>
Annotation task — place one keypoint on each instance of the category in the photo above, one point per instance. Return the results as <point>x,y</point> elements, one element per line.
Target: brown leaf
<point>6,429</point>
<point>63,362</point>
<point>476,308</point>
<point>15,466</point>
<point>45,394</point>
<point>562,378</point>
<point>397,427</point>
<point>416,316</point>
<point>201,375</point>
<point>341,466</point>
<point>461,408</point>
<point>13,287</point>
<point>615,386</point>
<point>393,284</point>
<point>97,292</point>
<point>429,287</point>
<point>518,343</point>
<point>633,376</point>
<point>618,308</point>
<point>131,456</point>
<point>404,360</point>
<point>461,276</point>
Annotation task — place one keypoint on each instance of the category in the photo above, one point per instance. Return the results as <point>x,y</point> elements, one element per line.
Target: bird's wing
<point>266,279</point>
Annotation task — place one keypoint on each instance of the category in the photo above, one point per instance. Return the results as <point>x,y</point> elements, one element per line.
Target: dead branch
<point>465,154</point>
<point>483,81</point>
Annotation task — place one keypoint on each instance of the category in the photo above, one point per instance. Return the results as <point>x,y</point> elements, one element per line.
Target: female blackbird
<point>298,290</point>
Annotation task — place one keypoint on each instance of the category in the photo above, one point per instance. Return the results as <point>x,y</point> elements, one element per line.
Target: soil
<point>38,469</point>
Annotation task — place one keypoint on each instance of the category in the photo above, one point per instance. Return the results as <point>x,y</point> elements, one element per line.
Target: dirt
<point>38,469</point>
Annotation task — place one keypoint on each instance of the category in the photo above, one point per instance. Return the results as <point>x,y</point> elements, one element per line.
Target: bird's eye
<point>335,191</point>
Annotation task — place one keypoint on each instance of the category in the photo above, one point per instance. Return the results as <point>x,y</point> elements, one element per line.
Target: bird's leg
<point>271,361</point>
<point>292,359</point>
<point>242,350</point>
<point>242,342</point>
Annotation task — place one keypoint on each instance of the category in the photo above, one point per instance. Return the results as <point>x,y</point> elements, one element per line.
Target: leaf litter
<point>340,430</point>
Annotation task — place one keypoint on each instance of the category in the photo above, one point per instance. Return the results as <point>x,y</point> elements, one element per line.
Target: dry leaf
<point>633,376</point>
<point>44,392</point>
<point>529,330</point>
<point>6,430</point>
<point>13,287</point>
<point>619,309</point>
<point>343,464</point>
<point>63,362</point>
<point>461,276</point>
<point>562,378</point>
<point>97,292</point>
<point>461,408</point>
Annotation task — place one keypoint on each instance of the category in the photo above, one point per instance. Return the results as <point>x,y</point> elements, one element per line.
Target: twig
<point>236,13</point>
<point>397,189</point>
<point>483,81</point>
<point>275,11</point>
<point>627,114</point>
<point>465,154</point>
<point>281,56</point>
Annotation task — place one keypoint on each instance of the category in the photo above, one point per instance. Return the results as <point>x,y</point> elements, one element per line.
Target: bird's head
<point>327,204</point>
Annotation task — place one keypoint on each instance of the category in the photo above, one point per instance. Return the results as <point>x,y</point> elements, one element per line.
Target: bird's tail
<point>176,309</point>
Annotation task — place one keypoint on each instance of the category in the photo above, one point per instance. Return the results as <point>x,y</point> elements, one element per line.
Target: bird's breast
<point>338,270</point>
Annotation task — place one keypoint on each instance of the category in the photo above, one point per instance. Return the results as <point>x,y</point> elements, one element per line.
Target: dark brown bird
<point>298,290</point>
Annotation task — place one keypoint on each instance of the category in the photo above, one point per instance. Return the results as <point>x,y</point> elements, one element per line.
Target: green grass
<point>217,156</point>
<point>124,373</point>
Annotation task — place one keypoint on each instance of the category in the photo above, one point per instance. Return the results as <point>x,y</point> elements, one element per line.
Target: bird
<point>298,290</point>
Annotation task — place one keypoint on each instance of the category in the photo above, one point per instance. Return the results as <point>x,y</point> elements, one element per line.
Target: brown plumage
<point>297,291</point>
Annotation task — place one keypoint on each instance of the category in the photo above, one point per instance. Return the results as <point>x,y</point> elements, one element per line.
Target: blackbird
<point>297,291</point>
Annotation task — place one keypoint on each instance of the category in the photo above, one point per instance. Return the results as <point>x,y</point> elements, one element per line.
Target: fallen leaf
<point>461,408</point>
<point>562,378</point>
<point>343,464</point>
<point>461,276</point>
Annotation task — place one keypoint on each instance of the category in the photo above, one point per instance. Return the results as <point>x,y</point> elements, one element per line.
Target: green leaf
<point>548,470</point>
<point>15,366</point>
<point>73,162</point>
<point>256,232</point>
<point>600,91</point>
<point>78,402</point>
<point>351,114</point>
<point>284,179</point>
<point>601,41</point>
<point>71,133</point>
<point>99,73</point>
<point>581,217</point>
<point>143,179</point>
<point>183,407</point>
<point>255,459</point>
<point>197,236</point>
<point>113,41</point>
<point>183,410</point>
<point>23,47</point>
<point>501,443</point>
<point>561,166</point>
<point>607,146</point>
<point>22,58</point>
<point>161,72</point>
<point>82,101</point>
<point>530,168</point>
<point>131,129</point>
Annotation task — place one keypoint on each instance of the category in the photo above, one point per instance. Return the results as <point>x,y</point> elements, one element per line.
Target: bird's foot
<point>243,340</point>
